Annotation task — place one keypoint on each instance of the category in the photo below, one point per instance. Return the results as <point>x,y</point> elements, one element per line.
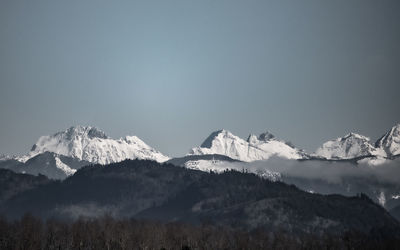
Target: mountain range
<point>98,177</point>
<point>61,154</point>
<point>265,145</point>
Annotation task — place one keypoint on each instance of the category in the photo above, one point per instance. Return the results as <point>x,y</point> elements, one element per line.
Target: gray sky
<point>171,72</point>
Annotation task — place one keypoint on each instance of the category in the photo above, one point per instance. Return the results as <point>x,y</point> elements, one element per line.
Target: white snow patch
<point>382,199</point>
<point>64,167</point>
<point>221,166</point>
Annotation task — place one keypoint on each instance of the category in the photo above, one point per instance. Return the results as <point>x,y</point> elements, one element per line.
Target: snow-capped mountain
<point>93,145</point>
<point>390,142</point>
<point>53,165</point>
<point>348,147</point>
<point>260,147</point>
<point>268,143</point>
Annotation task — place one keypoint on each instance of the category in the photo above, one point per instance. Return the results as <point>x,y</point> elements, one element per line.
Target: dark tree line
<point>231,210</point>
<point>31,233</point>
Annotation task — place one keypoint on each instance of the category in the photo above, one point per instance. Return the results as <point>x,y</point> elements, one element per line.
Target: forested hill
<point>145,189</point>
<point>12,183</point>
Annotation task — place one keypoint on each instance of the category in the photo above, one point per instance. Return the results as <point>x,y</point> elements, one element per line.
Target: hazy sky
<point>171,72</point>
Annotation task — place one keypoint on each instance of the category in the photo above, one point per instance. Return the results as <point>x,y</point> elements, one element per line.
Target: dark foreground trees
<point>109,233</point>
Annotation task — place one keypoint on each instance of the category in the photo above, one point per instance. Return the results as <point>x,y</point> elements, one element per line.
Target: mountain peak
<point>390,141</point>
<point>260,147</point>
<point>356,136</point>
<point>73,133</point>
<point>93,145</point>
<point>222,133</point>
<point>266,136</point>
<point>87,131</point>
<point>350,146</point>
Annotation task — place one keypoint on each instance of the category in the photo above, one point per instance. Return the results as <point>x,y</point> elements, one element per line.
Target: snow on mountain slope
<point>390,142</point>
<point>53,165</point>
<point>64,167</point>
<point>255,148</point>
<point>348,147</point>
<point>224,142</point>
<point>5,157</point>
<point>269,144</point>
<point>219,166</point>
<point>93,145</point>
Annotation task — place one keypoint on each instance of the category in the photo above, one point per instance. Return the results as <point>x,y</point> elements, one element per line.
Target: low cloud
<point>330,171</point>
<point>333,172</point>
<point>75,211</point>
